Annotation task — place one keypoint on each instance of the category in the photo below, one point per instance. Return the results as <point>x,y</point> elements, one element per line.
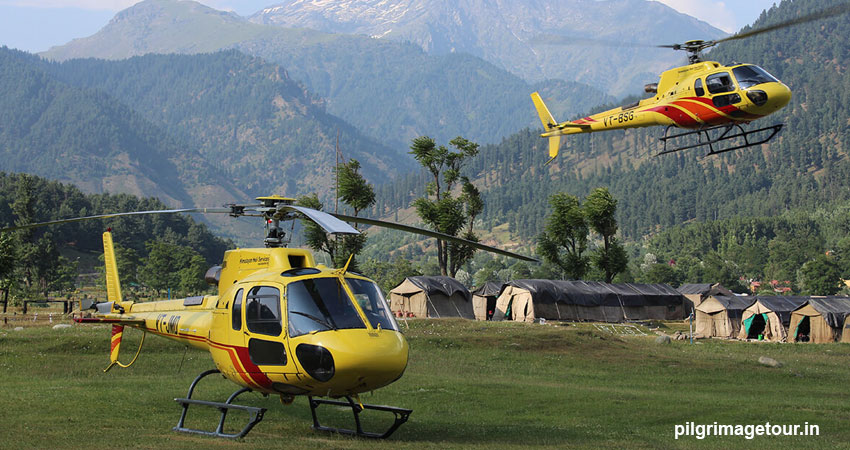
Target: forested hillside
<point>245,116</point>
<point>397,92</point>
<point>30,199</point>
<point>84,136</point>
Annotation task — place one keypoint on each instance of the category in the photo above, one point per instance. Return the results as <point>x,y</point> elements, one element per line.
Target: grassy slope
<point>471,385</point>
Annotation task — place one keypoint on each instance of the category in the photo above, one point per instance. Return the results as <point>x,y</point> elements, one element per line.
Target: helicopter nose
<point>385,361</point>
<point>769,97</point>
<point>353,361</point>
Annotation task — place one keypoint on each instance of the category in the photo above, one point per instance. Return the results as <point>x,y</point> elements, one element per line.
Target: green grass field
<point>470,384</point>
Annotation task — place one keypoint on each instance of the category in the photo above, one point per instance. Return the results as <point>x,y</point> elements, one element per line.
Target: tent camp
<point>768,316</point>
<point>819,320</point>
<point>720,315</point>
<point>431,297</point>
<point>484,300</point>
<point>527,300</point>
<point>696,293</point>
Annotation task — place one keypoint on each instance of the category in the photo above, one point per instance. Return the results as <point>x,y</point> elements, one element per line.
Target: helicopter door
<point>721,83</point>
<point>264,326</point>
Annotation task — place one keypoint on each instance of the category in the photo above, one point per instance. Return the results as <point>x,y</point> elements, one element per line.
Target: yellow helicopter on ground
<point>710,100</point>
<point>280,324</point>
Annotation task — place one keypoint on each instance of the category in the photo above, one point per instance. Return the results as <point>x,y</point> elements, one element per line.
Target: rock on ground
<point>770,362</point>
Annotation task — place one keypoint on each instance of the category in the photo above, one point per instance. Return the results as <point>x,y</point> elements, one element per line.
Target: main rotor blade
<point>330,223</point>
<point>433,234</point>
<point>108,216</point>
<point>822,14</point>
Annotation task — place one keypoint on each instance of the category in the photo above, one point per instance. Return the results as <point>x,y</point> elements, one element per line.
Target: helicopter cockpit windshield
<point>750,75</point>
<point>321,304</point>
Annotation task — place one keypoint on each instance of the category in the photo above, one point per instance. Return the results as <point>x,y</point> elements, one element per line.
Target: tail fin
<point>113,284</point>
<point>113,294</point>
<point>549,123</point>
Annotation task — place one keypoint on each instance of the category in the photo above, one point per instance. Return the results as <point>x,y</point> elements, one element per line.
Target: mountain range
<point>534,39</point>
<point>392,89</point>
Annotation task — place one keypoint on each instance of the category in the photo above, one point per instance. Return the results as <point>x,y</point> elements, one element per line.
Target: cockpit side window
<point>373,303</point>
<point>698,88</point>
<point>262,310</point>
<point>236,312</point>
<point>719,82</point>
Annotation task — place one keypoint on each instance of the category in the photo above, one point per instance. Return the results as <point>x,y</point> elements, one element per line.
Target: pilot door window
<point>319,304</point>
<point>262,310</point>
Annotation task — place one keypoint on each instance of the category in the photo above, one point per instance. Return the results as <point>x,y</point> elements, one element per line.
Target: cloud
<point>715,13</point>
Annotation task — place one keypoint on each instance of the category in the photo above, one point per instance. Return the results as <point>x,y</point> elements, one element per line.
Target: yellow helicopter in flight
<point>709,100</point>
<point>279,325</point>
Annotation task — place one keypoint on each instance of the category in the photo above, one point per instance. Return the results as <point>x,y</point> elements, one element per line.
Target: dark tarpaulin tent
<point>769,316</point>
<point>484,299</point>
<point>527,300</point>
<point>720,315</point>
<point>820,320</point>
<point>431,297</point>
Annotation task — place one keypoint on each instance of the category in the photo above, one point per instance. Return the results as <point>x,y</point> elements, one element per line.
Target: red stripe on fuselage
<point>584,121</point>
<point>728,110</point>
<point>676,114</point>
<point>703,112</point>
<point>253,370</point>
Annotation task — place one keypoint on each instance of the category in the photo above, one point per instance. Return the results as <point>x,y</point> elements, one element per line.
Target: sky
<point>37,25</point>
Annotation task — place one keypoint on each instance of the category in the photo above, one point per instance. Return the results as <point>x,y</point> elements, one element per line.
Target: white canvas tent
<point>431,297</point>
<point>820,320</point>
<point>720,316</point>
<point>768,316</point>
<point>484,300</point>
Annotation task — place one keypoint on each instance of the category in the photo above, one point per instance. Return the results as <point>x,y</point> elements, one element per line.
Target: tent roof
<point>733,303</point>
<point>833,309</point>
<point>594,293</point>
<point>489,289</point>
<point>780,303</point>
<point>434,285</point>
<point>657,294</point>
<point>694,288</point>
<point>704,289</point>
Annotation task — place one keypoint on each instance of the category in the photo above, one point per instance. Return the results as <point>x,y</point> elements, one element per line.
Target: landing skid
<point>401,416</point>
<point>255,414</point>
<point>704,138</point>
